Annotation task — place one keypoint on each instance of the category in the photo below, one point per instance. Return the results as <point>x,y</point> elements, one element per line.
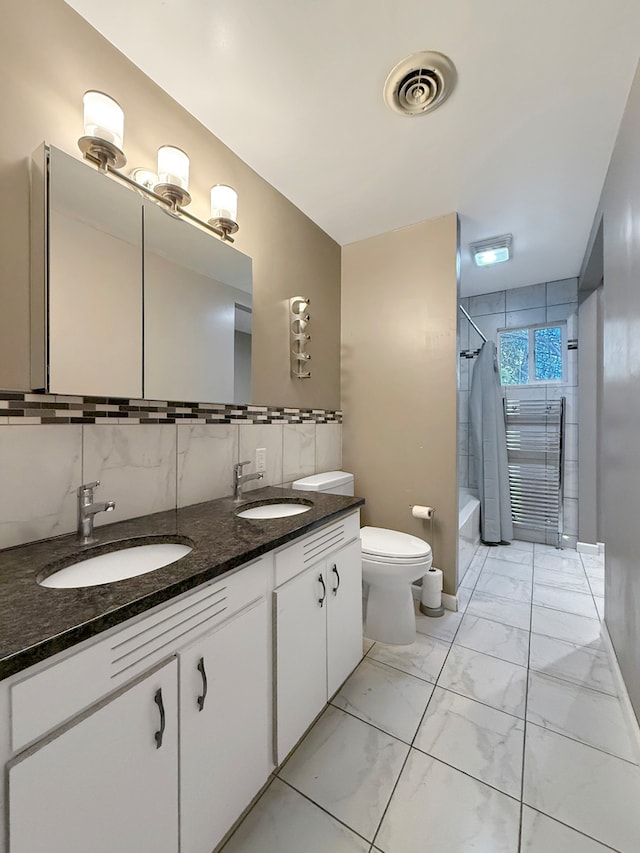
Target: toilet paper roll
<point>422,511</point>
<point>432,589</point>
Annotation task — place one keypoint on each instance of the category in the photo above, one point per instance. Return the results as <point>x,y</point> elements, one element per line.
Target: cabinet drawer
<point>45,699</point>
<point>314,547</point>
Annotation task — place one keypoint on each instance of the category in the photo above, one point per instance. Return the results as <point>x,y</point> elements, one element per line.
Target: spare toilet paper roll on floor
<point>422,511</point>
<point>432,589</point>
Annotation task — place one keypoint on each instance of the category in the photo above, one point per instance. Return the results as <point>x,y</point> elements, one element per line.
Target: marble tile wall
<point>143,467</point>
<point>524,306</point>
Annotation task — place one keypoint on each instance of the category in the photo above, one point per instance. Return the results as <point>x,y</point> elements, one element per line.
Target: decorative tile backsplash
<point>149,456</point>
<point>60,409</point>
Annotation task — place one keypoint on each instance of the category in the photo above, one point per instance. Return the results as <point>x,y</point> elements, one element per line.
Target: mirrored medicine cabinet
<point>127,299</point>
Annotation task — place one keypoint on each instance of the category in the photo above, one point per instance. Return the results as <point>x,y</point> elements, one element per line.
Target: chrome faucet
<point>87,510</point>
<point>239,478</point>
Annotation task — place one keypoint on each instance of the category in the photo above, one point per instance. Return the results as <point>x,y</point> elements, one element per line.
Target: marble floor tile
<point>594,571</point>
<point>435,807</point>
<point>505,587</point>
<point>495,682</point>
<point>385,697</point>
<point>591,561</point>
<point>565,565</point>
<point>562,580</point>
<point>599,602</point>
<point>567,553</point>
<point>591,717</point>
<point>463,595</point>
<point>511,555</point>
<point>500,610</point>
<point>348,768</point>
<point>443,627</point>
<point>519,544</point>
<point>481,741</point>
<point>424,658</point>
<point>492,638</point>
<point>510,570</point>
<point>581,630</point>
<point>471,575</point>
<point>581,665</point>
<point>542,834</point>
<point>596,586</point>
<point>563,599</point>
<point>283,821</point>
<point>593,792</point>
<point>367,645</point>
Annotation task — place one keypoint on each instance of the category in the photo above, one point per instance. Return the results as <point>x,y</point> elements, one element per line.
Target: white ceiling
<point>294,87</point>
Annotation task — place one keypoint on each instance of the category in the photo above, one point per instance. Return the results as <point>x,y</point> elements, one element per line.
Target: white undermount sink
<point>127,562</point>
<point>277,509</point>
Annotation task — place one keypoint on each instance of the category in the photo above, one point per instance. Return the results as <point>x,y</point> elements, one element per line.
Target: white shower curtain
<point>489,444</point>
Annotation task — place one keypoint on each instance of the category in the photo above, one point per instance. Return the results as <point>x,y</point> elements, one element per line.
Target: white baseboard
<point>587,548</point>
<point>621,687</point>
<point>449,602</point>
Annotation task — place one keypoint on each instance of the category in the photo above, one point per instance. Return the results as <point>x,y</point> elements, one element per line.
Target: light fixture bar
<point>166,202</point>
<point>493,250</point>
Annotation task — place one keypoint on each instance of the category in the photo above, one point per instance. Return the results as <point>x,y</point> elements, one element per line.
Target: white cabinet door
<point>344,614</point>
<point>103,783</point>
<point>301,655</point>
<point>225,708</point>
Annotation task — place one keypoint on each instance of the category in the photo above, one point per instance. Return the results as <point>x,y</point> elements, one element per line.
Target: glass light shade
<point>103,118</point>
<point>173,167</point>
<point>145,177</point>
<point>224,203</point>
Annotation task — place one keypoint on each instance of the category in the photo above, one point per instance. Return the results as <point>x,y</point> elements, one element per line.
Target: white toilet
<point>390,562</point>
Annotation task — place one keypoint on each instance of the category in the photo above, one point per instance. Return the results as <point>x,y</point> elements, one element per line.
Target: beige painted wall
<point>399,314</point>
<point>49,56</point>
<point>620,497</point>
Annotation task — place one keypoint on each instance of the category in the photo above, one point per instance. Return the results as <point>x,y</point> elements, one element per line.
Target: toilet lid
<point>381,542</point>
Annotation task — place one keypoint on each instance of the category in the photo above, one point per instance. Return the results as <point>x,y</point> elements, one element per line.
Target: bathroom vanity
<point>148,713</point>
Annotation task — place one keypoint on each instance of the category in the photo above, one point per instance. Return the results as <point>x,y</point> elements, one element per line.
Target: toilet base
<point>390,615</point>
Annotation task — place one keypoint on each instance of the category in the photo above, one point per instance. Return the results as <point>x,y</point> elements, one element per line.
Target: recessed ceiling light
<point>494,250</point>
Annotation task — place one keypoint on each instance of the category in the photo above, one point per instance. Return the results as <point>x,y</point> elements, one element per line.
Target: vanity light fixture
<point>298,321</point>
<point>173,176</point>
<point>494,250</point>
<point>103,130</point>
<point>102,145</point>
<point>224,209</point>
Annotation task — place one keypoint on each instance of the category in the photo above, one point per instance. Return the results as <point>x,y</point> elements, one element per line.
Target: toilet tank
<point>331,482</point>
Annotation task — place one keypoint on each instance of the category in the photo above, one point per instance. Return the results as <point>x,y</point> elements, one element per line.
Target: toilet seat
<point>391,546</point>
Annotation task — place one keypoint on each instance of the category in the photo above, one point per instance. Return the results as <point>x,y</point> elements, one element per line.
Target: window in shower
<point>533,355</point>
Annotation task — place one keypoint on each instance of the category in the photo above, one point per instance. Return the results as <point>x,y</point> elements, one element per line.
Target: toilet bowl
<point>391,561</point>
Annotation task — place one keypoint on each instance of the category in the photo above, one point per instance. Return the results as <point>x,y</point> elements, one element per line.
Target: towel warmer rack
<point>535,453</point>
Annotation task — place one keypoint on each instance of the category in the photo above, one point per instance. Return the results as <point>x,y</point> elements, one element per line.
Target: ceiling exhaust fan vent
<point>419,83</point>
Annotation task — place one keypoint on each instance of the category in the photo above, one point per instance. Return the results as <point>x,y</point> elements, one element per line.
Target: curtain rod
<point>472,323</point>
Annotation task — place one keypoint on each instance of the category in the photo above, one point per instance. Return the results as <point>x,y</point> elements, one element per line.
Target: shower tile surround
<point>522,306</point>
<point>149,455</point>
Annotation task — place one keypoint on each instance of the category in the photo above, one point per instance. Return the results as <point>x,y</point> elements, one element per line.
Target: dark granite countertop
<point>37,622</point>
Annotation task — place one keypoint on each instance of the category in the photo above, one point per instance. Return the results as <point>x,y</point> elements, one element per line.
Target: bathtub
<point>468,530</point>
